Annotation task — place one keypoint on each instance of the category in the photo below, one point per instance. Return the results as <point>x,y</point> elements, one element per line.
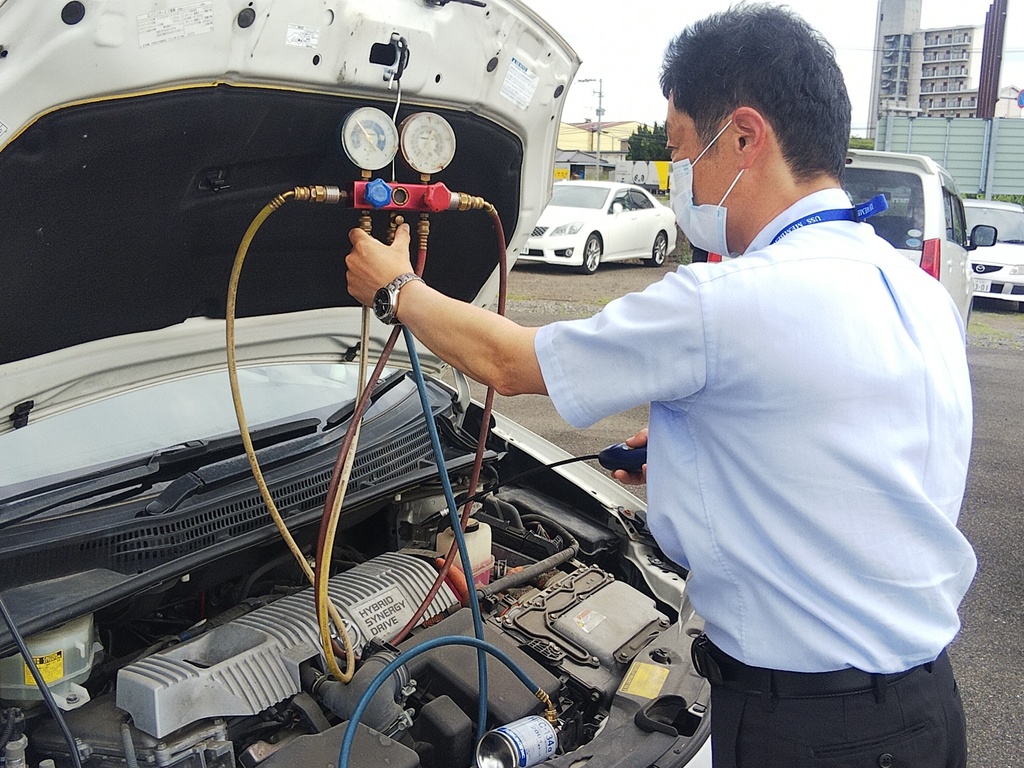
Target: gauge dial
<point>428,142</point>
<point>369,138</point>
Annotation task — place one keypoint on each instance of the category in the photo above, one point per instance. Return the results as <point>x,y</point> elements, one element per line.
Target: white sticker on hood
<point>302,37</point>
<point>3,129</point>
<point>520,84</point>
<point>175,23</point>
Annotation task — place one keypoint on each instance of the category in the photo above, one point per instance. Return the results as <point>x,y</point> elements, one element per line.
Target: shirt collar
<point>824,200</point>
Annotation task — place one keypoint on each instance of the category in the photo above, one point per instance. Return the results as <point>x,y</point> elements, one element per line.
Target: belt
<point>719,668</point>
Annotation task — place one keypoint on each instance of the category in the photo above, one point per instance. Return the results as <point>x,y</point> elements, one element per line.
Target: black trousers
<point>914,719</point>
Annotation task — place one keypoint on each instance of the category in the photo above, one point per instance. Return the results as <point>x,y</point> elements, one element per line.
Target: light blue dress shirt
<point>810,429</point>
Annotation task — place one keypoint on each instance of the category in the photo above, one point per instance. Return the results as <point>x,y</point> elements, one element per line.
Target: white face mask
<point>703,225</point>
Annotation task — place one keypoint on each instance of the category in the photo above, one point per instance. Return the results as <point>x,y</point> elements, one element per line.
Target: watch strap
<point>407,277</point>
<point>393,289</point>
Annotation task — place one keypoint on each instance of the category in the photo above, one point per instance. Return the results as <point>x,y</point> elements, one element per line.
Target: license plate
<point>982,286</point>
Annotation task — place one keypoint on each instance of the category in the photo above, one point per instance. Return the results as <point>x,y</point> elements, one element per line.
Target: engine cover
<point>243,667</point>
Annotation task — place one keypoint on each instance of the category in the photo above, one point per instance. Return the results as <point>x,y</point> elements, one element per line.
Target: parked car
<point>925,220</point>
<point>141,147</point>
<point>589,222</point>
<point>999,271</point>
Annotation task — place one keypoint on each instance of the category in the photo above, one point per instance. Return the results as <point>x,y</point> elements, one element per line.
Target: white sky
<point>622,44</point>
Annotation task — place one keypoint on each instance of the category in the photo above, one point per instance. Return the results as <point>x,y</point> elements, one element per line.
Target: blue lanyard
<point>876,204</point>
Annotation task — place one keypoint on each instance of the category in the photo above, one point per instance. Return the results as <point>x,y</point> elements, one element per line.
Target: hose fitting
<point>473,203</point>
<point>319,193</point>
<point>550,714</point>
<point>423,231</point>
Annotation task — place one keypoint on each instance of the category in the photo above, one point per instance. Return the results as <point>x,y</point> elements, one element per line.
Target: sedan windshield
<point>1009,224</point>
<point>578,196</point>
<point>143,421</point>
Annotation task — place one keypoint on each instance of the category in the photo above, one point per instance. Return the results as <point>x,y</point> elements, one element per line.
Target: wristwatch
<point>385,301</point>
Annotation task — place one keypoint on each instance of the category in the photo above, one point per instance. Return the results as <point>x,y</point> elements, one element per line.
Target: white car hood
<point>139,138</point>
<point>1006,254</point>
<point>553,216</point>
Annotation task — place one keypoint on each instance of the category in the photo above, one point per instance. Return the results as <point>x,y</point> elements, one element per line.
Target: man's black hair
<point>768,58</point>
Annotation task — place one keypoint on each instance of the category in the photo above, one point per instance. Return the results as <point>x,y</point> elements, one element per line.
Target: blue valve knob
<point>378,193</point>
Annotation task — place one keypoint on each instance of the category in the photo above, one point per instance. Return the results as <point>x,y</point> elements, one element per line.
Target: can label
<point>533,740</point>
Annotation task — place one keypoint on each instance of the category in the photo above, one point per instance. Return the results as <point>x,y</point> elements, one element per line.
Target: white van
<point>925,220</point>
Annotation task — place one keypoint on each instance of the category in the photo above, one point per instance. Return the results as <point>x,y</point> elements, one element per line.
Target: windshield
<point>902,225</point>
<point>146,420</point>
<point>578,196</point>
<point>1009,224</point>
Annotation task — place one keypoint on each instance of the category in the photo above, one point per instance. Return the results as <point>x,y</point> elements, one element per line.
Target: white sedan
<point>588,222</point>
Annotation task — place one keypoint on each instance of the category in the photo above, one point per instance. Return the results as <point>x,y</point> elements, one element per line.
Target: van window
<point>902,225</point>
<point>956,222</point>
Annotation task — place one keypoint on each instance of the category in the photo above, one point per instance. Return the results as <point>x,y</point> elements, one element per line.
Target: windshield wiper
<point>146,470</point>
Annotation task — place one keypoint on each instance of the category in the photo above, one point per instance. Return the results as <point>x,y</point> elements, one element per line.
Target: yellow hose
<point>313,194</point>
<point>323,569</point>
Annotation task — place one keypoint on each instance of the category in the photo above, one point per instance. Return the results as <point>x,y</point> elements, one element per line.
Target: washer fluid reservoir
<point>64,657</point>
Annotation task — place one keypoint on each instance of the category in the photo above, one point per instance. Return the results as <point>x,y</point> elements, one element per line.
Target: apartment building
<point>923,72</point>
<point>950,70</point>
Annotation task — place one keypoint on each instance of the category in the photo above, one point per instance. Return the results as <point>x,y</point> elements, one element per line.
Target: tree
<point>649,144</point>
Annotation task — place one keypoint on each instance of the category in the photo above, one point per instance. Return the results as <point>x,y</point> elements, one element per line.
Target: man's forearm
<point>487,347</point>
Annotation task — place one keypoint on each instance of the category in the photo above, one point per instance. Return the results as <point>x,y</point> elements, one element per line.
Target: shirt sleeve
<point>642,348</point>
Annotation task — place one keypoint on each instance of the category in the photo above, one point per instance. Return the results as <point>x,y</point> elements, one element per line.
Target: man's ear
<point>751,134</point>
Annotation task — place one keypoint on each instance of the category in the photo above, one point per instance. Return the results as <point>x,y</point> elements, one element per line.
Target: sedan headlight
<point>567,229</point>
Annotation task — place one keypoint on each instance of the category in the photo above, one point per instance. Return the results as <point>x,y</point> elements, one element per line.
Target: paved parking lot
<point>988,655</point>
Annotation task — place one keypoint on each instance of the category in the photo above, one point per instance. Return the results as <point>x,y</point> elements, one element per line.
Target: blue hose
<point>405,656</point>
<point>460,538</point>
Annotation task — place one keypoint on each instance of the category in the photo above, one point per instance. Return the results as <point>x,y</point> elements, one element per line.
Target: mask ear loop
<point>731,186</point>
<point>712,142</point>
<point>709,146</point>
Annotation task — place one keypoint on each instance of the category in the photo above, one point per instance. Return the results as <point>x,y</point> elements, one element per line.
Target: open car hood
<point>138,140</point>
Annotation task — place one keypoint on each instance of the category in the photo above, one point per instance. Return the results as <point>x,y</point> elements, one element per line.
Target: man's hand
<point>636,441</point>
<point>372,265</point>
<point>487,347</point>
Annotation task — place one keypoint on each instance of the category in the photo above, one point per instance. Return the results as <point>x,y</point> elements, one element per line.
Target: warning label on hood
<point>520,84</point>
<point>302,37</point>
<point>175,23</point>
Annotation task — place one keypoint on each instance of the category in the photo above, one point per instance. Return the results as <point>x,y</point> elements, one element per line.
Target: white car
<point>925,220</point>
<point>165,622</point>
<point>999,271</point>
<point>589,222</point>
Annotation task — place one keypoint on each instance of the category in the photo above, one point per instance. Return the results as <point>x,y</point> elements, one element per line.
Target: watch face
<point>382,305</point>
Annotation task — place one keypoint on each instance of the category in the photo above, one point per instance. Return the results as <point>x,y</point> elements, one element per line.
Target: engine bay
<point>222,666</point>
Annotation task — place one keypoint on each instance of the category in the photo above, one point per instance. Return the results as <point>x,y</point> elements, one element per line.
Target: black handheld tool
<point>621,456</point>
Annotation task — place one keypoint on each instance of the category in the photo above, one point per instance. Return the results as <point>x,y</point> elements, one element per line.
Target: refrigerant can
<point>520,744</point>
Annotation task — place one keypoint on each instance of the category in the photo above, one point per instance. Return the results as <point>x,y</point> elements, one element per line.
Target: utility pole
<point>600,112</point>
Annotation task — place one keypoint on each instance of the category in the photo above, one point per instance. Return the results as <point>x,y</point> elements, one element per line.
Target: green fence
<point>984,156</point>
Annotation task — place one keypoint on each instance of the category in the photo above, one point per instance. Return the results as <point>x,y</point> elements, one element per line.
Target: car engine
<point>245,685</point>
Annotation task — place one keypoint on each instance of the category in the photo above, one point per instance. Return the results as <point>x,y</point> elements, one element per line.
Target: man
<point>810,412</point>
